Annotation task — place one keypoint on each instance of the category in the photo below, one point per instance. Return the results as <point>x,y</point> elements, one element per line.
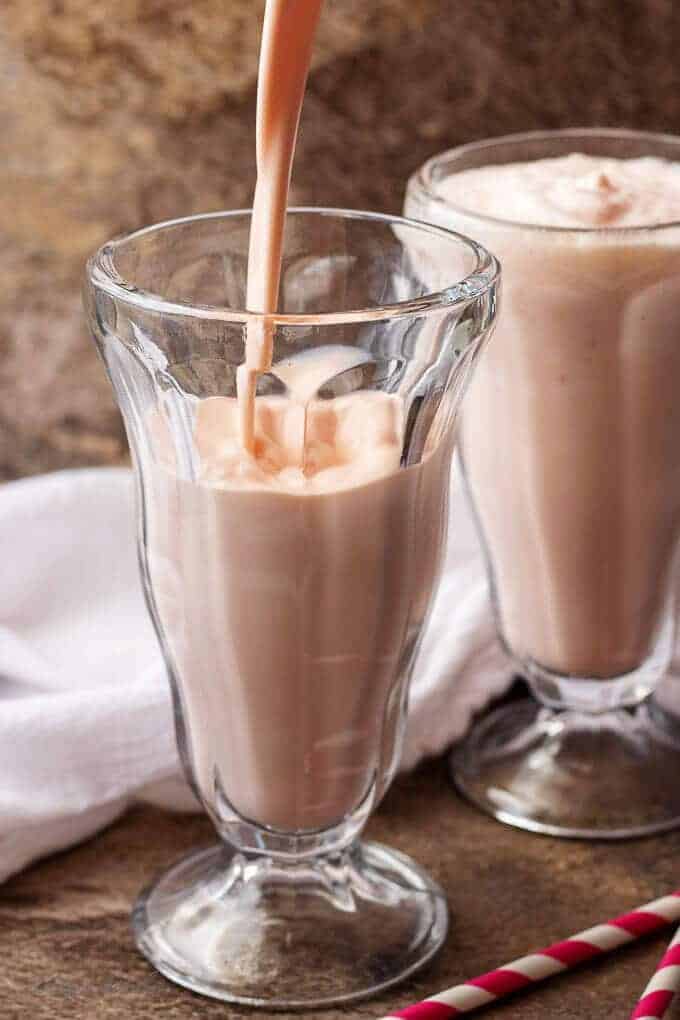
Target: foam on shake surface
<point>571,191</point>
<point>302,442</point>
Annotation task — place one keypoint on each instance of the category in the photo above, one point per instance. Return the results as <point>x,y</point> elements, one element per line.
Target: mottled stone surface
<point>67,953</point>
<point>120,112</point>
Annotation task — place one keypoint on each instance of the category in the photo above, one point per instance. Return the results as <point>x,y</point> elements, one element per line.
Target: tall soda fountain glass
<point>289,588</point>
<point>570,443</point>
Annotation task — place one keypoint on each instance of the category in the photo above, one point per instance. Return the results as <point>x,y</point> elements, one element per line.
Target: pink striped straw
<point>661,990</point>
<point>529,970</point>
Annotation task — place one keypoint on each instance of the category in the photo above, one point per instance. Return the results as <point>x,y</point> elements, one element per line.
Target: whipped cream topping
<point>574,191</point>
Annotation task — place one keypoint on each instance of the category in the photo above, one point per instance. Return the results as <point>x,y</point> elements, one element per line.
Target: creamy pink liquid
<point>292,592</point>
<point>571,427</point>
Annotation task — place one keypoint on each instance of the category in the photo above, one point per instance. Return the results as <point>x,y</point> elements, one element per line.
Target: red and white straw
<point>661,990</point>
<point>562,956</point>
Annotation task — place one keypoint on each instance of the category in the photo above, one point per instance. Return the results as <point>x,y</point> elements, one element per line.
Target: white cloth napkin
<point>86,722</point>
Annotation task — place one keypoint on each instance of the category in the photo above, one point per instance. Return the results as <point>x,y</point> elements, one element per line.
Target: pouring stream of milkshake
<point>287,38</point>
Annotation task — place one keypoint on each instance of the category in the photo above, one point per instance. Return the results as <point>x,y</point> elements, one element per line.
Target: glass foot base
<point>562,773</point>
<point>264,932</point>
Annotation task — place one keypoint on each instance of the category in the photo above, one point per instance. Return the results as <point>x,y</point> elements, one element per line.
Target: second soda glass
<point>571,454</point>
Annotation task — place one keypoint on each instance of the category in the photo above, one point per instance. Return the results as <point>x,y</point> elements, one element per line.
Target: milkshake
<point>570,445</point>
<point>572,427</point>
<point>307,583</point>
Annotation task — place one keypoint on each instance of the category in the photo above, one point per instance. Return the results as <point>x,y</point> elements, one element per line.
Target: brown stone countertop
<point>67,952</point>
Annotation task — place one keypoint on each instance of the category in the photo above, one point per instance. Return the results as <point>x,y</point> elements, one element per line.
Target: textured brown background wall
<point>115,113</point>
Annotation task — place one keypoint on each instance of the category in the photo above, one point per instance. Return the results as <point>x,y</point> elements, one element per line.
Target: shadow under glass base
<point>260,932</point>
<point>615,775</point>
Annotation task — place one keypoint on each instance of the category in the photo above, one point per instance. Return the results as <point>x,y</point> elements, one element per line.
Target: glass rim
<point>102,274</point>
<point>422,179</point>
